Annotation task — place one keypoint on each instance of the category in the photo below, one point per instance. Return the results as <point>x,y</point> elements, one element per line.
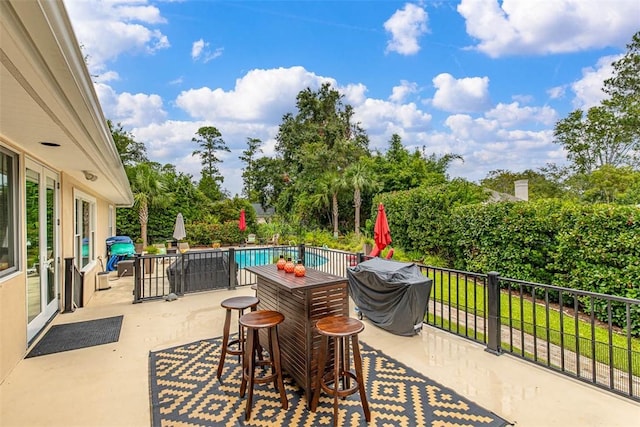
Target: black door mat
<point>72,336</point>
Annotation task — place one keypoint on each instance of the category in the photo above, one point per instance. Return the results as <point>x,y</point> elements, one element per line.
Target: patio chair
<point>251,239</point>
<point>274,240</point>
<point>183,247</point>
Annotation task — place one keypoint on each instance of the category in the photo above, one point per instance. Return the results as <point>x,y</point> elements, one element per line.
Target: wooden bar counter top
<point>302,301</point>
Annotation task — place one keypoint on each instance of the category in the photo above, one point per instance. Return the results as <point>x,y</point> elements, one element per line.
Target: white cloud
<point>461,95</point>
<point>523,99</point>
<point>406,26</point>
<point>557,92</point>
<point>588,90</point>
<point>505,137</point>
<point>512,115</point>
<point>485,144</point>
<point>354,94</point>
<point>258,95</point>
<point>516,27</point>
<point>399,93</point>
<point>130,109</point>
<point>377,115</point>
<point>124,26</point>
<point>106,77</point>
<point>200,51</point>
<point>170,142</point>
<point>196,48</point>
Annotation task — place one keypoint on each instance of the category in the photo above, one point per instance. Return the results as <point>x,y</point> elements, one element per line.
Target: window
<point>8,206</point>
<point>85,214</point>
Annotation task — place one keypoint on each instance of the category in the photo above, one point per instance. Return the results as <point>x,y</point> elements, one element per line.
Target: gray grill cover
<point>392,295</point>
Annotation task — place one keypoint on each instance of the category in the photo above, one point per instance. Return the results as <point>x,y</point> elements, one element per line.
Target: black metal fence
<point>156,276</point>
<point>550,326</point>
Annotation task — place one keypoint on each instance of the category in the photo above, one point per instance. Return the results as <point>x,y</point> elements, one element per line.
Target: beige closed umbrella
<point>179,232</point>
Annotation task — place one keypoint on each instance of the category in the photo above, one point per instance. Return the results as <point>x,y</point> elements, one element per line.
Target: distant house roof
<point>261,213</point>
<point>496,196</point>
<point>521,193</point>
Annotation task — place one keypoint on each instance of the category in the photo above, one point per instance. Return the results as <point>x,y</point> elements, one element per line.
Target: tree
<point>359,177</point>
<point>318,143</point>
<point>336,183</point>
<point>148,190</point>
<point>595,140</point>
<point>612,185</point>
<point>623,89</point>
<point>399,169</point>
<point>131,151</point>
<point>210,188</point>
<point>210,141</point>
<point>269,180</point>
<point>249,188</point>
<point>608,134</point>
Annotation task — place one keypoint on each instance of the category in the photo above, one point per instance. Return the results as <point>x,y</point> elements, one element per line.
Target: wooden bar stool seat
<point>338,382</point>
<point>254,322</point>
<point>236,346</point>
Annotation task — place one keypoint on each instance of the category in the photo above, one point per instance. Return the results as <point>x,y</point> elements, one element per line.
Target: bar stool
<point>254,322</point>
<point>240,304</point>
<point>340,329</point>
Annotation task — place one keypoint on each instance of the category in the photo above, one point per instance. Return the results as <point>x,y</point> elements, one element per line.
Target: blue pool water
<point>252,258</point>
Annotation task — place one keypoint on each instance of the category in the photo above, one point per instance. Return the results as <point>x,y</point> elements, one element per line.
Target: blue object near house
<point>118,248</point>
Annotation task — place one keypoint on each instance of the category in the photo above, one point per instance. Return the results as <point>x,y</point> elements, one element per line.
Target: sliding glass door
<point>42,262</point>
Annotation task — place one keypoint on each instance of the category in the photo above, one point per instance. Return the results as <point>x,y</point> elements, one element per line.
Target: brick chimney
<point>522,189</point>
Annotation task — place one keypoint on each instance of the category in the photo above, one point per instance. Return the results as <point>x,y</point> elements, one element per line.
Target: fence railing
<point>156,276</point>
<point>524,319</point>
<point>558,328</point>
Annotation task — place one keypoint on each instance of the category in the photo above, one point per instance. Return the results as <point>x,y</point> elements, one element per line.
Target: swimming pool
<point>254,257</point>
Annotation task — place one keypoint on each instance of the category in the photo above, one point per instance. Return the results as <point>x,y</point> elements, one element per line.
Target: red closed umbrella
<point>242,225</point>
<point>381,232</point>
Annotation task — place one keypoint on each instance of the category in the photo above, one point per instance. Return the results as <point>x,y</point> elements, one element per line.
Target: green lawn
<point>593,342</point>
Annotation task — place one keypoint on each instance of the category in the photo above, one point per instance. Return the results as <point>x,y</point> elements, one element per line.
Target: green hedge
<point>422,214</point>
<point>591,247</point>
<point>205,233</point>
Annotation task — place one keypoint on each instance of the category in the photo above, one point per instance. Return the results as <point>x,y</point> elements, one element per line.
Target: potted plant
<point>149,263</point>
<point>152,250</point>
<point>138,245</point>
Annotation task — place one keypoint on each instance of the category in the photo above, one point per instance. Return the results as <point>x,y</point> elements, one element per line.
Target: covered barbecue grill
<point>392,295</point>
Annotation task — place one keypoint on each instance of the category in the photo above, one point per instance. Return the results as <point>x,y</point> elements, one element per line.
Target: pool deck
<point>108,385</point>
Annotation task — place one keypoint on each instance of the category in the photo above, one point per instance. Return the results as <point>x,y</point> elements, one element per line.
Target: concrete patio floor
<point>108,385</point>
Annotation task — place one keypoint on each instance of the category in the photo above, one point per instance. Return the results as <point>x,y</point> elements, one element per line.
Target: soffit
<point>47,95</point>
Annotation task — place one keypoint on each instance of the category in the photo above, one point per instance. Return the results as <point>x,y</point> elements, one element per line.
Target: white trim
<point>79,195</point>
<point>16,214</point>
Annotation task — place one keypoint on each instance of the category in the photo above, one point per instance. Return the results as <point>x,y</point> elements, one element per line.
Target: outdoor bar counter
<point>302,300</point>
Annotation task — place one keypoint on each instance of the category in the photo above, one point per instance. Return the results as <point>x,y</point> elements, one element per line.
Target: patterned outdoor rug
<point>185,391</point>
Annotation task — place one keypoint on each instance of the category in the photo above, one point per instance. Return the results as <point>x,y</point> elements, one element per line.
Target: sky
<point>483,79</point>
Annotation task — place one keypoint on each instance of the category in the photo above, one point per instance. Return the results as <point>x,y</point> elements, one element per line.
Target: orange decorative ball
<point>289,266</point>
<point>299,269</point>
<point>281,262</point>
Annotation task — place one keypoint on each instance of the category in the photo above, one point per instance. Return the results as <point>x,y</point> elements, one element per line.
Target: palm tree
<point>335,184</point>
<point>148,190</point>
<point>359,177</point>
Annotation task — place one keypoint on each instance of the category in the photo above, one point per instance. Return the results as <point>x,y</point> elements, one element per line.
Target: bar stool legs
<point>340,329</point>
<point>240,304</point>
<point>254,322</point>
